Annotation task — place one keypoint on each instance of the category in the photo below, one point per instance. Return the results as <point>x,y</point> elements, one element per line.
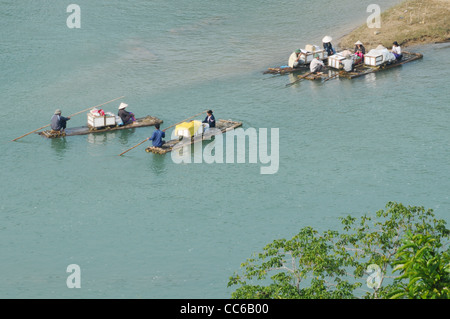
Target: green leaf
<point>398,267</point>
<point>398,295</point>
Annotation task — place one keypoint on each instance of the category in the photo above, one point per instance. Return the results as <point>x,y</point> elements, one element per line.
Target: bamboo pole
<point>299,78</point>
<point>163,131</point>
<point>68,116</point>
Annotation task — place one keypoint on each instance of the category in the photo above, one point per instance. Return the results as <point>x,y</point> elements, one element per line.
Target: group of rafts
<point>186,132</point>
<point>325,63</point>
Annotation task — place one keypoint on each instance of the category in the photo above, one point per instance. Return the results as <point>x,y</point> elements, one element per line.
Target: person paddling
<point>157,137</point>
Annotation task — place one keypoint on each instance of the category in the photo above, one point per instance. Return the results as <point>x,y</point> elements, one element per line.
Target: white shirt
<point>313,66</point>
<point>292,59</point>
<point>397,50</point>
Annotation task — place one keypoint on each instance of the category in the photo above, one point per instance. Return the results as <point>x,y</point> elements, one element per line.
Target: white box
<point>100,121</point>
<point>110,120</point>
<point>310,47</point>
<point>334,61</point>
<point>373,60</point>
<point>309,56</point>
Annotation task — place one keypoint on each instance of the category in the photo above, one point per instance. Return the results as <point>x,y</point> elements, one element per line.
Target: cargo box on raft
<point>100,121</point>
<point>190,129</point>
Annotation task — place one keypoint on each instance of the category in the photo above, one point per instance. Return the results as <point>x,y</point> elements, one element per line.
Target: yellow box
<point>189,129</point>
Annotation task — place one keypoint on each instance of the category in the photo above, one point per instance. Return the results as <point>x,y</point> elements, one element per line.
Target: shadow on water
<point>59,145</point>
<point>101,138</point>
<point>157,162</point>
<point>124,135</point>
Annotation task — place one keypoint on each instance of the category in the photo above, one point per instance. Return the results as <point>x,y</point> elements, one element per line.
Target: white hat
<point>57,111</point>
<point>358,42</point>
<point>327,39</point>
<point>122,106</point>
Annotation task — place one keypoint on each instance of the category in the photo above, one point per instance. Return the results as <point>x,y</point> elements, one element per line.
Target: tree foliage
<point>425,269</point>
<point>334,264</point>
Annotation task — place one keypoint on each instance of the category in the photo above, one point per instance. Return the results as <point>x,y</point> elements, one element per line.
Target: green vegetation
<point>404,241</point>
<point>411,22</point>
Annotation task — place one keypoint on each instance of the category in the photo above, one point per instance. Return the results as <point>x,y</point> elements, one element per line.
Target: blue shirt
<point>210,120</point>
<point>157,137</point>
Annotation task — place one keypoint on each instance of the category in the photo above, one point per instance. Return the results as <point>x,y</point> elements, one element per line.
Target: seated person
<point>209,119</point>
<point>127,117</point>
<point>360,50</point>
<point>359,47</point>
<point>397,51</point>
<point>157,137</point>
<point>294,59</point>
<point>347,64</point>
<point>58,122</point>
<point>328,46</point>
<point>316,64</point>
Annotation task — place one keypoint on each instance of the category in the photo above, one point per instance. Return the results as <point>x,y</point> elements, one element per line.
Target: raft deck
<point>286,70</point>
<point>223,125</point>
<point>83,130</point>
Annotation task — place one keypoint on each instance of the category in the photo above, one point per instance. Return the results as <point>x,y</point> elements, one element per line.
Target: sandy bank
<point>410,23</point>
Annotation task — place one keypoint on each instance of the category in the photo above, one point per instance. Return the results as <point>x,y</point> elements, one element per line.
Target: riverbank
<point>412,22</point>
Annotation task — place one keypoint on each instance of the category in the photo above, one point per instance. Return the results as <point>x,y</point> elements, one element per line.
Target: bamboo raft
<point>286,70</point>
<point>83,130</point>
<point>362,69</point>
<point>223,125</point>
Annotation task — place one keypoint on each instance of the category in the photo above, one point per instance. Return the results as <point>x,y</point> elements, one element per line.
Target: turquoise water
<point>141,226</point>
